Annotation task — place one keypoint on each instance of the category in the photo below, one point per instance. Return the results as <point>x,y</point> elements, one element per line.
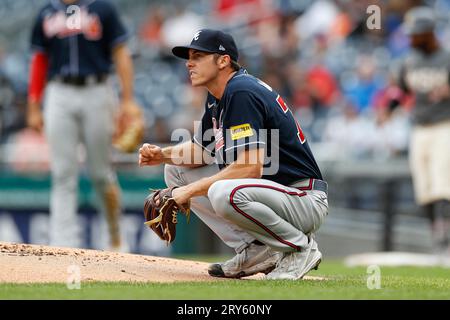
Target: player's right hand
<point>34,117</point>
<point>150,155</point>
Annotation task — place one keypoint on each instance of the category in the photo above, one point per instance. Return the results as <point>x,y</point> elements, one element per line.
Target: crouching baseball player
<point>268,218</point>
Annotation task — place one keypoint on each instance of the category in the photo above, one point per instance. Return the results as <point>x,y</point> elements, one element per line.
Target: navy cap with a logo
<point>212,41</point>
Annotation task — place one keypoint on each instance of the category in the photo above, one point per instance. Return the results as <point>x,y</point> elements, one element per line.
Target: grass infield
<point>341,283</point>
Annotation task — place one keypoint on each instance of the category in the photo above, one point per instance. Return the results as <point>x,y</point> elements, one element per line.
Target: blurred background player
<point>75,44</point>
<point>425,72</point>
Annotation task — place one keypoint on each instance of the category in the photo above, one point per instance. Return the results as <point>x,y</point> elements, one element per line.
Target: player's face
<point>202,67</point>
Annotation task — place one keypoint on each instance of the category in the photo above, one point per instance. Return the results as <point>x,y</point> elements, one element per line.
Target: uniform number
<point>285,109</point>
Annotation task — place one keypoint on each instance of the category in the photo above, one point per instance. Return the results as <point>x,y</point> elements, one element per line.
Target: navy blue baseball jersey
<point>247,117</point>
<point>78,38</point>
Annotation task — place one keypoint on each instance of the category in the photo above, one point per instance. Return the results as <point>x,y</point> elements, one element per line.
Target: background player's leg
<point>266,210</point>
<point>420,157</point>
<point>62,132</point>
<point>98,126</point>
<point>440,227</point>
<point>231,234</point>
<point>440,188</point>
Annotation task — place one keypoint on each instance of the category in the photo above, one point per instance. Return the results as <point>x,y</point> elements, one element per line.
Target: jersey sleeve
<point>204,135</point>
<point>115,31</point>
<point>243,120</point>
<point>38,40</point>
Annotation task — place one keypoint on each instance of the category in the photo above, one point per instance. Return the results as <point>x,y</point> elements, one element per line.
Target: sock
<point>429,211</point>
<point>439,225</point>
<point>442,214</point>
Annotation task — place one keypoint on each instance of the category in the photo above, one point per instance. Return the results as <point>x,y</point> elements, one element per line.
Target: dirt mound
<point>25,263</point>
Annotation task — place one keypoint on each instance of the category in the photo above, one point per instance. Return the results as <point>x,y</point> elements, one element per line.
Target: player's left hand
<point>181,195</point>
<point>34,117</point>
<point>129,127</point>
<point>129,109</point>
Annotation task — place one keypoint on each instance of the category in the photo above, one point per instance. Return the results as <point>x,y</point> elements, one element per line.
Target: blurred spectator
<point>180,26</point>
<point>362,84</point>
<point>150,30</point>
<point>322,87</point>
<point>192,111</point>
<point>350,134</point>
<point>242,11</point>
<point>12,108</point>
<point>318,19</point>
<point>391,134</point>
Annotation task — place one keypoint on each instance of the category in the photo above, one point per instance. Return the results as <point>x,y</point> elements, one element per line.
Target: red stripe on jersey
<point>301,135</point>
<point>282,104</point>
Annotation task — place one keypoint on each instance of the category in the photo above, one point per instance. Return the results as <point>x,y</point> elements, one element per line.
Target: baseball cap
<point>419,20</point>
<point>212,41</point>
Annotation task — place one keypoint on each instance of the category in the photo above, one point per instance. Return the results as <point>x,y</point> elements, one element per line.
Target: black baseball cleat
<point>317,265</point>
<point>215,270</point>
<point>252,260</point>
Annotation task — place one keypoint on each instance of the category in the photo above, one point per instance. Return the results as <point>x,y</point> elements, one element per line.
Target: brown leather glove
<point>160,212</point>
<point>129,131</point>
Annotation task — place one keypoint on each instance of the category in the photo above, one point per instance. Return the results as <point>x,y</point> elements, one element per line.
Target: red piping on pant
<point>309,187</point>
<point>292,193</point>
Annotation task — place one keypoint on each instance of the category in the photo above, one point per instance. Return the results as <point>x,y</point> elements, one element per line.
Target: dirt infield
<point>25,263</point>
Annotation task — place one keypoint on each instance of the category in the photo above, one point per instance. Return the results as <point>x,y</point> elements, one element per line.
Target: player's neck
<point>217,86</point>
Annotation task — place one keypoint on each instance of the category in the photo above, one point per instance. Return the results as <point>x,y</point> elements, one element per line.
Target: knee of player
<point>65,177</point>
<point>216,191</point>
<point>219,194</point>
<point>100,181</point>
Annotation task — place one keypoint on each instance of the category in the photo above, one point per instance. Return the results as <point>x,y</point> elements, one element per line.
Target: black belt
<point>81,80</point>
<point>311,184</point>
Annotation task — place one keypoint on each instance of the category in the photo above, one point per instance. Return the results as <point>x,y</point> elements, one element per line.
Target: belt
<point>81,80</point>
<point>310,184</point>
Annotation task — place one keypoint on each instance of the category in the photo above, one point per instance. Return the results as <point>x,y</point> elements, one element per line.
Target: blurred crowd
<point>337,75</point>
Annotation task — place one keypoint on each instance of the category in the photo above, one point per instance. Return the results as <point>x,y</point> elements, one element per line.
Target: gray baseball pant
<point>242,210</point>
<point>73,115</point>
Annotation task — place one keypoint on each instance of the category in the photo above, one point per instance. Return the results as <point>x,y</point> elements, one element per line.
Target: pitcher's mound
<point>25,263</point>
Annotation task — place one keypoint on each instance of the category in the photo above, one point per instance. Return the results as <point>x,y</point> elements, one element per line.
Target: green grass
<point>342,283</point>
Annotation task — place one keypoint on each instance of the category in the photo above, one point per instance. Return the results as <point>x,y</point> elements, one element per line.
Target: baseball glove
<point>160,212</point>
<point>129,130</point>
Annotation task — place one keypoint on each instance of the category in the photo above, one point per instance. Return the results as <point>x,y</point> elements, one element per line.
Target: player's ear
<point>223,61</point>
